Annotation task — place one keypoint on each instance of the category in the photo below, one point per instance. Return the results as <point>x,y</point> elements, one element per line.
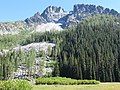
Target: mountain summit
<point>54,14</point>
<point>80,11</point>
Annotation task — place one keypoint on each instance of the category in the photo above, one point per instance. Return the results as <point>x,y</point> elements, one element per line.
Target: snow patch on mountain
<point>48,27</point>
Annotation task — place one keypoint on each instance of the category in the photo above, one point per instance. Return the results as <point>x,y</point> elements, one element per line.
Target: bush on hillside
<point>15,85</point>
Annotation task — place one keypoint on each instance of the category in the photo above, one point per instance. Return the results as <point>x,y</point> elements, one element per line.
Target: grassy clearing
<point>102,86</point>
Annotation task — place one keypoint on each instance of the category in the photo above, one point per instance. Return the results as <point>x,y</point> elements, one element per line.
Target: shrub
<point>63,81</point>
<point>87,82</point>
<point>15,85</point>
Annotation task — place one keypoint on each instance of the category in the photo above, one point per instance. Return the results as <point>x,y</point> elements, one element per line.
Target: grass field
<point>102,86</point>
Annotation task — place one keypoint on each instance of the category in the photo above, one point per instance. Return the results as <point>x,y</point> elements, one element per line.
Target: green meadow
<point>102,86</point>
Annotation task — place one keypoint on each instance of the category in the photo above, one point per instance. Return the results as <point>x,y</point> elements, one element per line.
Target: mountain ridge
<point>57,14</point>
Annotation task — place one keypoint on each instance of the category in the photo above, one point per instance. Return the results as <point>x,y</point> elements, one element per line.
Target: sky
<point>13,10</point>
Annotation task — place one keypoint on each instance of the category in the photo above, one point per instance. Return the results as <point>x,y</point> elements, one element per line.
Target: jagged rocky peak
<point>79,8</point>
<point>100,9</point>
<point>81,11</point>
<point>53,13</point>
<point>54,9</point>
<point>36,19</point>
<point>88,8</point>
<point>57,15</point>
<point>93,9</point>
<point>37,14</point>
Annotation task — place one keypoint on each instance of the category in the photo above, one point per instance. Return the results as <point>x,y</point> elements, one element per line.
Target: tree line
<point>88,51</point>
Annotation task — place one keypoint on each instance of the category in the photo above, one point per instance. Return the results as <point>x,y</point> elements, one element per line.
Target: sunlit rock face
<point>41,65</point>
<point>42,46</point>
<point>12,27</point>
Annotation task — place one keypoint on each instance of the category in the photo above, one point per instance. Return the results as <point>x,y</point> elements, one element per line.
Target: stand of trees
<point>89,51</point>
<point>11,60</point>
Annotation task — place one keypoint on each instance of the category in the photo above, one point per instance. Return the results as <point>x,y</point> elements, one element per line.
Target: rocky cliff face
<point>12,27</point>
<point>42,63</point>
<point>81,11</point>
<point>53,13</point>
<point>36,19</point>
<point>56,14</point>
